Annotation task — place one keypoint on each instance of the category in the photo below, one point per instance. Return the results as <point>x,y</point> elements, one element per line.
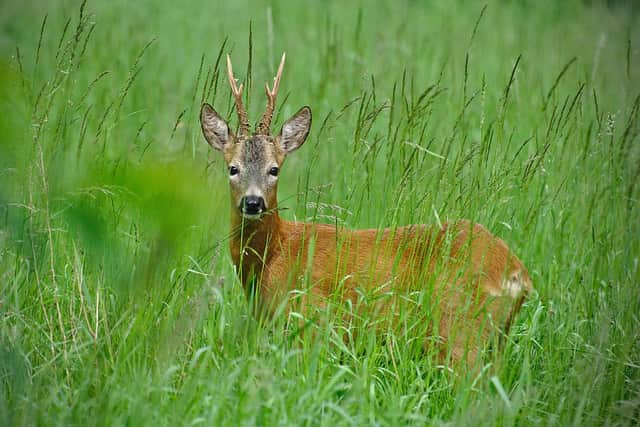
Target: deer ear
<point>295,130</point>
<point>215,129</point>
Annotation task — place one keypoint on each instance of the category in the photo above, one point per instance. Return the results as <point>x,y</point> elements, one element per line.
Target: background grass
<point>118,300</point>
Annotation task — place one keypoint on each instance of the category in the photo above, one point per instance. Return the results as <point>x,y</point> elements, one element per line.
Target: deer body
<point>472,279</point>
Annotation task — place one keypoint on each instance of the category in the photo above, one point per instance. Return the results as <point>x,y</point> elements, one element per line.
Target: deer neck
<point>254,242</point>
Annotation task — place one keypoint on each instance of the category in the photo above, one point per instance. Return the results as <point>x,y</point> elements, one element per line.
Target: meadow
<point>118,299</point>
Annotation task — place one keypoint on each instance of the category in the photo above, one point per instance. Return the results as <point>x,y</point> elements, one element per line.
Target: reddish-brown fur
<point>470,264</point>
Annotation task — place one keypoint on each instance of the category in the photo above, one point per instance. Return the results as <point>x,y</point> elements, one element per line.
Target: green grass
<point>118,300</point>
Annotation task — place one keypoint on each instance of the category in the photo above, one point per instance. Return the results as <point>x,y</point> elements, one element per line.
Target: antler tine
<point>237,95</point>
<point>265,123</point>
<point>276,79</point>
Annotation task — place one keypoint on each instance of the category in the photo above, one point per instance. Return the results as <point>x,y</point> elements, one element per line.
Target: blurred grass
<point>119,303</point>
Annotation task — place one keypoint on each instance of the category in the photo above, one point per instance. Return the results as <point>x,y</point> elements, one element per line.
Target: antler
<point>237,95</point>
<point>264,126</point>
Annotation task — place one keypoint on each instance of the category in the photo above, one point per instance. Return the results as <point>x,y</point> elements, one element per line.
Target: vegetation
<point>118,299</point>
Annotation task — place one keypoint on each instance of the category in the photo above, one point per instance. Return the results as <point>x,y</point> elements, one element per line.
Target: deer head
<point>254,160</point>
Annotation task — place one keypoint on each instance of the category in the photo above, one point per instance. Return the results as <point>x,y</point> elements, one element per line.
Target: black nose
<point>252,205</point>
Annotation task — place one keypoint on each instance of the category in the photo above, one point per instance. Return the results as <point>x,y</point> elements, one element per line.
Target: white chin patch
<point>252,216</point>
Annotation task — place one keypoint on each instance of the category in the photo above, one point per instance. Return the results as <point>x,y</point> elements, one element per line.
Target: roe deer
<point>477,284</point>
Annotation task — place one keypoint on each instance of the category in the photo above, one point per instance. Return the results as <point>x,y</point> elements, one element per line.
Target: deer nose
<point>252,205</point>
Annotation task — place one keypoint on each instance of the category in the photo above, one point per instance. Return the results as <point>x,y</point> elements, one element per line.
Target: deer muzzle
<point>252,206</point>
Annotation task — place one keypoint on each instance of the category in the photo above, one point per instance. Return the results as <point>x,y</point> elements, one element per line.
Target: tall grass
<point>118,299</point>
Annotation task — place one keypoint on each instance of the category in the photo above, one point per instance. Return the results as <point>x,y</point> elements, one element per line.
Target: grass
<point>118,300</point>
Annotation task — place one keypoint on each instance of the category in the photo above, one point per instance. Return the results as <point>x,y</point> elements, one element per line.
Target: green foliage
<point>118,299</point>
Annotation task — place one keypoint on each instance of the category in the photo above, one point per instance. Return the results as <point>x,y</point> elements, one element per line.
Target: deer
<point>470,277</point>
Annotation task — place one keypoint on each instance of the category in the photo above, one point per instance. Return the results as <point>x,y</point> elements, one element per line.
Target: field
<point>118,299</point>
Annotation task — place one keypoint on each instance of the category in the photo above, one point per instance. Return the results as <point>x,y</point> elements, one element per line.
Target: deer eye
<point>233,170</point>
<point>274,171</point>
